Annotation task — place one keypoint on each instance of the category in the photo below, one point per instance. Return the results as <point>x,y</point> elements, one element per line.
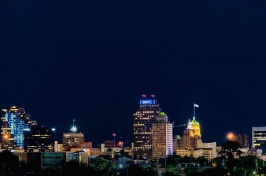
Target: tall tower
<point>162,137</point>
<point>142,125</point>
<point>13,122</point>
<point>191,138</point>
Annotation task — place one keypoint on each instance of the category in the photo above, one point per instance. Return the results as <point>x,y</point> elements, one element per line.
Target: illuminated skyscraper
<point>259,138</point>
<point>142,126</point>
<point>13,121</point>
<point>162,137</point>
<point>191,138</point>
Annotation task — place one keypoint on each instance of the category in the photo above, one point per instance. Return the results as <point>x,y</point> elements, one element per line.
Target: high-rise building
<point>73,138</point>
<point>259,138</point>
<point>191,143</point>
<point>142,125</point>
<point>38,137</point>
<point>13,122</point>
<point>191,138</point>
<point>162,137</point>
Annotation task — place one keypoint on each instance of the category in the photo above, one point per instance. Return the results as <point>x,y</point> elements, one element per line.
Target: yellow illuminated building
<point>194,128</point>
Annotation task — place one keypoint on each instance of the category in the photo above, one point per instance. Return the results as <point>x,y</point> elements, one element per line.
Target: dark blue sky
<point>91,60</point>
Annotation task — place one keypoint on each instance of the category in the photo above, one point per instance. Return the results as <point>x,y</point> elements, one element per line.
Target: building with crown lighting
<point>144,117</point>
<point>191,138</point>
<point>190,143</point>
<point>162,137</point>
<point>13,123</point>
<point>73,139</point>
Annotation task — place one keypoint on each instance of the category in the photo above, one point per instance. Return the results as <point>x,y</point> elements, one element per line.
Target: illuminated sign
<point>147,102</point>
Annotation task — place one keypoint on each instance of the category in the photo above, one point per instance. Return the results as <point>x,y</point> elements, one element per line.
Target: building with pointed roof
<point>190,143</point>
<point>194,128</point>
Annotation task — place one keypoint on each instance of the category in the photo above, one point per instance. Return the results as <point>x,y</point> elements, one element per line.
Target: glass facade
<point>13,121</point>
<point>38,137</point>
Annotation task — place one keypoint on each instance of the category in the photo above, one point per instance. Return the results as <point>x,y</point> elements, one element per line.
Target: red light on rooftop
<point>144,96</point>
<point>152,95</point>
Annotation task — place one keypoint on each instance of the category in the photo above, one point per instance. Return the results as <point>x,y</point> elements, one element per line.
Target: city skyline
<point>59,135</point>
<point>91,61</point>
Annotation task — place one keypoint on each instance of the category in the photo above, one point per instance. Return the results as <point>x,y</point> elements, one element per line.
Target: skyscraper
<point>259,138</point>
<point>162,137</point>
<point>142,126</point>
<point>13,122</point>
<point>191,138</point>
<point>38,137</point>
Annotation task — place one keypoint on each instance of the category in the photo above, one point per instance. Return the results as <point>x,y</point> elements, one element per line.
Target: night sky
<point>92,60</point>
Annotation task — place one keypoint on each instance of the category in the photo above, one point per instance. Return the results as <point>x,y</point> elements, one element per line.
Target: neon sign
<point>147,102</point>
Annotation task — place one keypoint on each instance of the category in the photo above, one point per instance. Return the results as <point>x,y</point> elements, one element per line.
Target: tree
<point>229,149</point>
<point>9,164</point>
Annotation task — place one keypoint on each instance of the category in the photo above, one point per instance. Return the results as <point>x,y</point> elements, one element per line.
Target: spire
<point>73,129</point>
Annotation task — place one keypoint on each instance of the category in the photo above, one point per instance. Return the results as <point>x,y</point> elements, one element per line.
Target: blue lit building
<point>13,122</point>
<point>144,117</point>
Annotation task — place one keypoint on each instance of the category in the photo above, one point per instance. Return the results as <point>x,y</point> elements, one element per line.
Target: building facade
<point>259,138</point>
<point>39,138</point>
<point>13,122</point>
<point>142,126</point>
<point>73,139</point>
<point>191,138</point>
<point>162,137</point>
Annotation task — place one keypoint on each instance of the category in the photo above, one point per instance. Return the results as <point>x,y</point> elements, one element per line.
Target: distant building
<point>52,159</point>
<point>73,138</point>
<point>109,144</point>
<point>191,143</point>
<point>79,156</point>
<point>162,137</point>
<point>13,122</point>
<point>191,138</point>
<point>243,140</point>
<point>86,145</point>
<point>142,126</point>
<point>38,137</point>
<point>259,138</point>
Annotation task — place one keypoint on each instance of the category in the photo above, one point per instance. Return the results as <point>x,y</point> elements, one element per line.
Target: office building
<point>38,138</point>
<point>142,126</point>
<point>259,138</point>
<point>162,137</point>
<point>73,139</point>
<point>13,122</point>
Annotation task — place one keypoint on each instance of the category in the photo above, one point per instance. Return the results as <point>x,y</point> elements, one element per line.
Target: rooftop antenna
<point>74,128</point>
